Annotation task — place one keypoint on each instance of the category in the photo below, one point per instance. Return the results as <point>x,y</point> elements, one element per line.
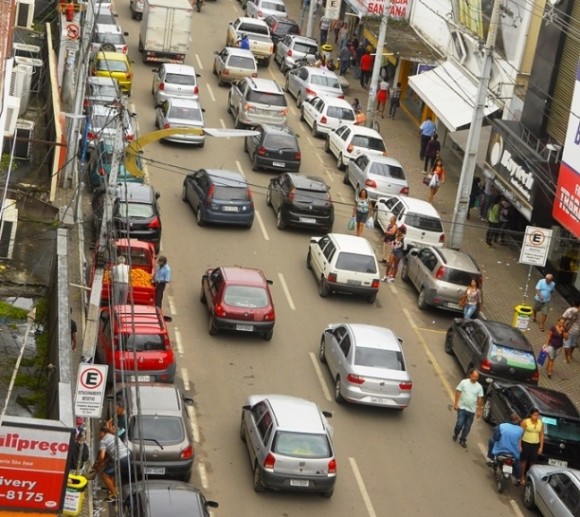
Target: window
<point>303,47</point>
<point>258,411</point>
<point>247,297</point>
<point>329,251</point>
<point>241,62</point>
<point>362,161</point>
<point>428,259</point>
<point>345,345</point>
<point>281,142</point>
<point>422,222</point>
<point>340,113</point>
<point>479,340</point>
<point>186,80</point>
<point>156,429</point>
<point>368,142</point>
<point>356,262</point>
<point>377,358</point>
<point>301,445</point>
<point>387,171</point>
<point>265,426</point>
<point>231,193</point>
<point>272,99</point>
<point>571,497</point>
<point>135,211</point>
<point>459,277</point>
<point>323,242</point>
<point>141,343</point>
<point>324,80</point>
<point>339,333</point>
<point>558,482</point>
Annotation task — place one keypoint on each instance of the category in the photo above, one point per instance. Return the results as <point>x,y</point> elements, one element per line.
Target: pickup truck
<point>258,33</point>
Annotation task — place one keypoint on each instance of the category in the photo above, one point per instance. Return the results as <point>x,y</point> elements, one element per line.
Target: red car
<point>238,299</point>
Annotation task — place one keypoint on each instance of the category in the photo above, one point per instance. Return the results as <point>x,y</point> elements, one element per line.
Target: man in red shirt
<point>366,69</point>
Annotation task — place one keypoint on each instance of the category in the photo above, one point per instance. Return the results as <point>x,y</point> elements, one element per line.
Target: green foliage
<point>10,312</point>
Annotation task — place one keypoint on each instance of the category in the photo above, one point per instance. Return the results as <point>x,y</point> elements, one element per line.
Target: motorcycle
<point>503,468</point>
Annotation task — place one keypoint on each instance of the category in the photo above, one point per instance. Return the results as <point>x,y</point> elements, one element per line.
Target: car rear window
<point>341,113</point>
<point>181,113</point>
<point>241,62</point>
<point>301,445</point>
<point>247,297</point>
<point>281,142</point>
<point>430,224</point>
<point>231,194</point>
<point>311,196</point>
<point>186,80</point>
<point>99,122</point>
<point>111,65</point>
<point>356,262</point>
<point>135,211</point>
<point>512,357</point>
<point>377,358</point>
<point>160,429</point>
<point>459,277</point>
<point>387,171</point>
<point>273,99</point>
<point>141,343</point>
<point>368,142</point>
<point>559,428</point>
<point>114,39</point>
<point>305,48</point>
<point>284,28</point>
<point>324,80</point>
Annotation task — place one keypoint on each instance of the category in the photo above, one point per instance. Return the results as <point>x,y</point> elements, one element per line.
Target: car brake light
<point>284,112</point>
<point>323,120</point>
<point>297,156</point>
<point>225,71</point>
<point>405,385</point>
<point>371,183</point>
<point>269,461</point>
<point>485,365</point>
<point>354,379</point>
<point>91,136</point>
<point>161,87</point>
<point>341,96</point>
<point>250,196</point>
<point>249,107</point>
<point>270,316</point>
<point>196,90</point>
<point>260,14</point>
<point>376,283</point>
<point>255,74</point>
<point>101,171</point>
<point>129,137</point>
<point>271,49</point>
<point>186,453</point>
<point>331,277</point>
<point>124,49</point>
<point>442,238</point>
<point>128,75</point>
<point>350,148</point>
<point>536,376</point>
<point>404,191</point>
<point>332,466</point>
<point>155,224</point>
<point>219,310</point>
<point>309,91</point>
<point>261,151</point>
<point>167,125</point>
<point>289,53</point>
<point>210,192</point>
<point>440,274</point>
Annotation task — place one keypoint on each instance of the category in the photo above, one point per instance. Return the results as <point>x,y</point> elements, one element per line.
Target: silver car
<point>291,48</point>
<point>176,81</point>
<point>289,441</point>
<point>555,491</point>
<point>307,82</point>
<point>102,90</point>
<point>109,38</point>
<point>262,8</point>
<point>367,365</point>
<point>233,64</point>
<point>381,176</point>
<point>181,113</point>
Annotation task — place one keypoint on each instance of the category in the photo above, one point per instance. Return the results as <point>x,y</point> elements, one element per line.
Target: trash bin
<point>74,495</point>
<point>326,50</point>
<point>522,314</point>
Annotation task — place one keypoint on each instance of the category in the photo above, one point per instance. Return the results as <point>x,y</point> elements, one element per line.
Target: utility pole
<point>372,101</point>
<point>310,24</point>
<point>470,158</point>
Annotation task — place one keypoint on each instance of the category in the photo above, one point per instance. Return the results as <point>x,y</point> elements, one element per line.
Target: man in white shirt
<point>468,403</point>
<point>120,277</point>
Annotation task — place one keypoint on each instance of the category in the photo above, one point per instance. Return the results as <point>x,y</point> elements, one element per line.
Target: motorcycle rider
<point>507,439</point>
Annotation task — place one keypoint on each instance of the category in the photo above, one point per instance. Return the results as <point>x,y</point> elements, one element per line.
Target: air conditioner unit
<point>24,13</point>
<point>8,224</point>
<point>12,107</point>
<point>25,50</point>
<point>21,84</point>
<point>23,146</point>
<point>37,65</point>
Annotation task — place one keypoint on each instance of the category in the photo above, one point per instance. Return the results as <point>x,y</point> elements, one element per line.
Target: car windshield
<point>305,48</point>
<point>161,429</point>
<point>559,428</point>
<point>387,171</point>
<point>138,257</point>
<point>324,80</point>
<point>111,65</point>
<point>377,358</point>
<point>273,99</point>
<point>368,142</point>
<point>274,7</point>
<point>247,297</point>
<point>356,262</point>
<point>512,357</point>
<point>104,91</point>
<point>140,343</point>
<point>135,211</point>
<point>340,113</point>
<point>458,277</point>
<point>301,445</point>
<point>186,80</point>
<point>280,142</point>
<point>241,62</point>
<point>182,113</point>
<point>430,224</point>
<point>231,194</point>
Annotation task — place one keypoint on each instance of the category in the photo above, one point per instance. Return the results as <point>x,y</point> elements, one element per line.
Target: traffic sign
<point>535,246</point>
<point>73,31</point>
<point>91,385</point>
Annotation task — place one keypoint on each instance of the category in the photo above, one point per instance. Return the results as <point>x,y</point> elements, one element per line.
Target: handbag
<point>463,301</point>
<point>370,224</point>
<point>434,181</point>
<point>351,224</point>
<point>427,179</point>
<point>542,356</point>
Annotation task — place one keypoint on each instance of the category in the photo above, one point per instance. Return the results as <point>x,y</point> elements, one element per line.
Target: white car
<point>109,38</point>
<point>307,82</point>
<point>344,264</point>
<point>323,114</point>
<point>349,142</point>
<point>174,80</point>
<point>421,221</point>
<point>262,8</point>
<point>381,176</point>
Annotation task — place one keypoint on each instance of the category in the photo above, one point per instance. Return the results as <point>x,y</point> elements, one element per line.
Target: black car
<point>302,201</point>
<point>280,27</point>
<point>559,415</point>
<point>496,350</point>
<point>219,196</point>
<point>274,148</point>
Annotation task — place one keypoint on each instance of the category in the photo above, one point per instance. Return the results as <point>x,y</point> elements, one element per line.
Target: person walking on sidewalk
<point>437,179</point>
<point>345,57</point>
<point>544,289</point>
<point>397,253</point>
<point>382,97</point>
<point>342,36</point>
<point>492,224</point>
<point>473,300</point>
<point>556,336</point>
<point>432,152</point>
<point>532,442</point>
<point>395,101</point>
<point>572,324</point>
<point>361,210</point>
<point>359,53</point>
<point>488,198</point>
<point>504,220</point>
<point>161,278</point>
<point>475,194</point>
<point>324,28</point>
<point>426,130</point>
<point>366,69</point>
<point>468,404</point>
<point>388,238</point>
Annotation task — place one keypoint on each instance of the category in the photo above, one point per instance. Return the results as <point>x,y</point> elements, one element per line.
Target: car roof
<point>269,128</point>
<point>244,276</point>
<point>235,51</point>
<point>135,192</point>
<point>296,414</point>
<point>457,259</point>
<point>552,402</point>
<point>421,206</point>
<point>363,130</point>
<point>156,397</point>
<point>265,85</point>
<point>183,103</point>
<point>383,159</point>
<point>314,70</point>
<point>176,68</point>
<point>351,243</point>
<point>143,319</point>
<point>306,182</point>
<point>334,101</point>
<point>227,178</point>
<point>255,21</point>
<point>372,336</point>
<point>506,335</point>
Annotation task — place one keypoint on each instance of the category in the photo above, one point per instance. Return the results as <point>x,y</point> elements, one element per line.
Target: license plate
<point>307,220</point>
<point>278,164</point>
<point>375,400</point>
<point>245,328</point>
<point>157,471</point>
<point>557,463</point>
<point>140,378</point>
<point>231,209</point>
<point>507,469</point>
<point>454,306</point>
<point>299,482</point>
<point>353,282</point>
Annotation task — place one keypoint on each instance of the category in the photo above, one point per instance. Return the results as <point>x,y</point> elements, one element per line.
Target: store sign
<point>566,208</point>
<point>33,467</point>
<point>332,9</point>
<point>398,9</point>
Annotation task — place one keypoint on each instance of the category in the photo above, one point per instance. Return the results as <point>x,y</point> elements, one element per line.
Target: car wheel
<point>268,335</point>
<point>258,487</point>
<point>242,431</point>
<point>315,131</point>
<point>199,216</point>
<point>184,194</point>
<point>302,115</point>
<point>345,179</point>
<point>322,350</point>
<point>337,395</point>
<point>202,296</point>
<point>212,329</point>
<point>405,271</point>
<point>448,344</point>
<point>245,145</point>
<point>214,70</point>
<point>309,260</point>
<point>528,496</point>
<point>229,107</point>
<point>421,302</point>
<point>339,163</point>
<point>286,87</point>
<point>280,224</point>
<point>255,165</point>
<point>327,145</point>
<point>372,298</point>
<point>328,494</point>
<point>486,413</point>
<point>323,289</point>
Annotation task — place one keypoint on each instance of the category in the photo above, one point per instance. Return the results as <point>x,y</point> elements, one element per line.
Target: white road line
<point>394,289</point>
<point>178,343</point>
<point>262,226</point>
<point>286,291</point>
<point>362,488</point>
<point>202,472</point>
<point>210,90</point>
<point>223,124</point>
<point>171,304</point>
<point>516,508</point>
<point>185,379</point>
<point>328,175</point>
<point>193,423</point>
<point>340,196</point>
<point>239,166</point>
<point>199,65</point>
<point>320,377</point>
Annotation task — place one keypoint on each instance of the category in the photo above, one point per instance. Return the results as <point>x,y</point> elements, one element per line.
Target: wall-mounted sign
<point>332,9</point>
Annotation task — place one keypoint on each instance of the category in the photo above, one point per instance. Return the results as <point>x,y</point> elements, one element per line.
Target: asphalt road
<point>389,462</point>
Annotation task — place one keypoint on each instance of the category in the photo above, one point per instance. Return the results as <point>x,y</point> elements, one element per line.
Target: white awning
<point>450,94</point>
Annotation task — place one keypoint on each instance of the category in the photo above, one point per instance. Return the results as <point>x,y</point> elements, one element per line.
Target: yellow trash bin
<point>74,495</point>
<point>326,50</point>
<point>522,315</point>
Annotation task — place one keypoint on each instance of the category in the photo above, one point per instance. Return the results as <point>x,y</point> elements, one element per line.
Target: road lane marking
<point>320,376</point>
<point>202,472</point>
<point>516,508</point>
<point>262,226</point>
<point>328,175</point>
<point>193,423</point>
<point>362,488</point>
<point>430,356</point>
<point>199,65</point>
<point>171,304</point>
<point>178,343</point>
<point>223,124</point>
<point>239,166</point>
<point>439,331</point>
<point>286,291</point>
<point>185,379</point>
<point>210,90</point>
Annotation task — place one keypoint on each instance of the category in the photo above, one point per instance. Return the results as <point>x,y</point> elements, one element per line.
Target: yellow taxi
<point>115,65</point>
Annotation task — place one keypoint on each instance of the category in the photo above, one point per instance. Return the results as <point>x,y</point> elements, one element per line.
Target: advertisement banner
<point>398,9</point>
<point>33,467</point>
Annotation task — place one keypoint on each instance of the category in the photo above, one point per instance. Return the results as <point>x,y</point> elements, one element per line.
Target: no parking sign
<point>536,246</point>
<point>91,385</point>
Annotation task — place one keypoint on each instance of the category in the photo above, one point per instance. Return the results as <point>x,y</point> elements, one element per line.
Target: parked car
<point>238,299</point>
<point>219,196</point>
<point>345,264</point>
<point>99,163</point>
<point>233,64</point>
<point>102,124</point>
<point>301,201</point>
<point>161,497</point>
<point>263,8</point>
<point>281,26</point>
<point>421,220</point>
<point>559,415</point>
<point>323,114</point>
<point>115,65</point>
<point>134,341</point>
<point>109,38</point>
<point>292,48</point>
<point>102,90</point>
<point>381,176</point>
<point>348,142</point>
<point>440,275</point>
<point>257,101</point>
<point>555,491</point>
<point>289,441</point>
<point>159,434</point>
<point>181,113</point>
<point>274,148</point>
<point>172,80</point>
<point>307,82</point>
<point>367,365</point>
<point>496,350</point>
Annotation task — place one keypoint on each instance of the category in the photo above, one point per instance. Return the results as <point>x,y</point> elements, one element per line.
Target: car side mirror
<point>204,277</point>
<point>203,110</point>
<point>269,282</point>
<point>197,75</point>
<point>125,34</point>
<point>211,504</point>
<point>188,401</point>
<point>247,406</point>
<point>157,195</point>
<point>327,414</point>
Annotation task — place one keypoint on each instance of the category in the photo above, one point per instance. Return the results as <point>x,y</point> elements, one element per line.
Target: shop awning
<point>359,7</point>
<point>450,94</point>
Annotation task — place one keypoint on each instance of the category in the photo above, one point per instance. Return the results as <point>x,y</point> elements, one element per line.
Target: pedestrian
<point>492,224</point>
<point>572,324</point>
<point>324,28</point>
<point>111,451</point>
<point>397,253</point>
<point>161,278</point>
<point>388,238</point>
<point>432,151</point>
<point>489,196</point>
<point>366,69</point>
<point>426,130</point>
<point>361,210</point>
<point>335,26</point>
<point>474,195</point>
<point>330,66</point>
<point>556,336</point>
<point>356,105</point>
<point>472,299</point>
<point>468,404</point>
<point>360,117</point>
<point>532,442</point>
<point>382,96</point>
<point>79,453</point>
<point>359,53</point>
<point>342,36</point>
<point>437,179</point>
<point>344,59</point>
<point>244,42</point>
<point>73,332</point>
<point>506,439</point>
<point>504,220</point>
<point>544,289</point>
<point>395,101</point>
<point>120,274</point>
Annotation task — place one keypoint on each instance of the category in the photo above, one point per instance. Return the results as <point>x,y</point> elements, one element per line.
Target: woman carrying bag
<point>556,336</point>
<point>471,300</point>
<point>361,210</point>
<point>437,178</point>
